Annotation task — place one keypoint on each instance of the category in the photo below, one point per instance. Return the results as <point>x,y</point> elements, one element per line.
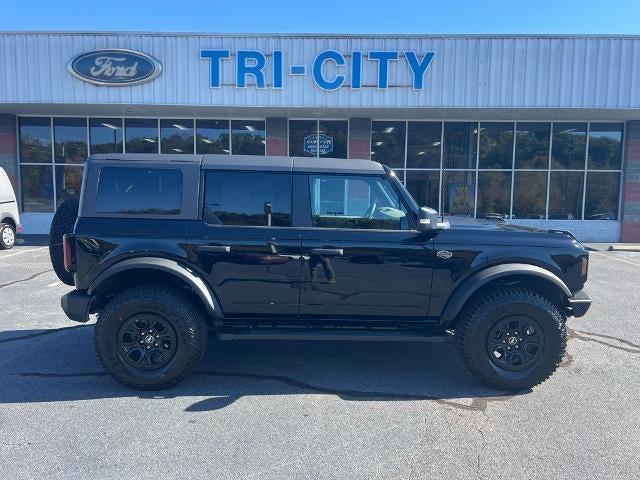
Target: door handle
<point>215,248</point>
<point>327,251</point>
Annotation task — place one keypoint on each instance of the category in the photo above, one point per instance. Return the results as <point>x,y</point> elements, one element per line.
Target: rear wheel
<point>7,236</point>
<point>511,339</point>
<point>150,336</point>
<point>62,223</point>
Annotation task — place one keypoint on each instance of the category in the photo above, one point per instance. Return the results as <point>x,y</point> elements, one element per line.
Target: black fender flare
<point>473,283</point>
<point>197,284</point>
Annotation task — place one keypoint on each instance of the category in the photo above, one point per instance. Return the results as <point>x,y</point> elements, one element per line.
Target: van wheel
<point>511,339</point>
<point>7,236</point>
<point>150,337</point>
<point>62,223</point>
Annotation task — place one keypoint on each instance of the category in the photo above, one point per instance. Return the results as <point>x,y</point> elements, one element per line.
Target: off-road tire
<point>177,308</point>
<point>3,244</point>
<point>480,316</point>
<point>62,223</point>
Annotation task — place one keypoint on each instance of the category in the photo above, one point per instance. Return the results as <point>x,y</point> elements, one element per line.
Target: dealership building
<point>539,130</point>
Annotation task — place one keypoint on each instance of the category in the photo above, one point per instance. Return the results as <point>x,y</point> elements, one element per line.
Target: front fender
<point>197,284</point>
<point>472,284</point>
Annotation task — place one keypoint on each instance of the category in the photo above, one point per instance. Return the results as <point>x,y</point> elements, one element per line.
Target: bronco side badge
<point>444,254</point>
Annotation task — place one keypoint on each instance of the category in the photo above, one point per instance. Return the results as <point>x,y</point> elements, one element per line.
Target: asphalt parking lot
<point>315,410</point>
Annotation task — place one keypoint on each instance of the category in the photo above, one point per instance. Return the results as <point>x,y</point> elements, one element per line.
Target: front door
<point>246,245</point>
<point>363,257</point>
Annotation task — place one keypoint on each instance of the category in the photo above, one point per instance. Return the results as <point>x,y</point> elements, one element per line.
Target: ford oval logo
<point>115,67</point>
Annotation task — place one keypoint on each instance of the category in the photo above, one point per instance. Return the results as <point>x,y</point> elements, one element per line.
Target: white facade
<point>467,72</point>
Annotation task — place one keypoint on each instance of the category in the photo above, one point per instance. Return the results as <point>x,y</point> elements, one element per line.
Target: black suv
<point>167,249</point>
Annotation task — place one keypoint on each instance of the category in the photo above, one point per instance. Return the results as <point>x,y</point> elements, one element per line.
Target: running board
<point>337,336</point>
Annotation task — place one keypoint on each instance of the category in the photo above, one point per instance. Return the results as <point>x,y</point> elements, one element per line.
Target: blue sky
<point>328,16</point>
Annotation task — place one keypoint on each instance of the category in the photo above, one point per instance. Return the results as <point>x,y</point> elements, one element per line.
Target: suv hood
<point>497,232</point>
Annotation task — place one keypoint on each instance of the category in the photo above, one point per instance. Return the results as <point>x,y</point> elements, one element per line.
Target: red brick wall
<point>277,136</point>
<point>9,149</point>
<point>631,184</point>
<point>360,138</point>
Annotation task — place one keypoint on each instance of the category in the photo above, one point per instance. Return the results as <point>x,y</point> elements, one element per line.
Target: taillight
<point>69,253</point>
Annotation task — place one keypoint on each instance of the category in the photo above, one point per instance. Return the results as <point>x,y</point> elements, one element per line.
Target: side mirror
<point>428,219</point>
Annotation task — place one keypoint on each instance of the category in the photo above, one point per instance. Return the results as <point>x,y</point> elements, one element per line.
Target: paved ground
<point>315,410</point>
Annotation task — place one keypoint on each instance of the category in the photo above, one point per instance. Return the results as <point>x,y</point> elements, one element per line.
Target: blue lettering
<point>383,58</point>
<point>418,68</point>
<point>277,69</point>
<point>356,69</point>
<point>318,70</point>
<point>214,56</point>
<point>256,68</point>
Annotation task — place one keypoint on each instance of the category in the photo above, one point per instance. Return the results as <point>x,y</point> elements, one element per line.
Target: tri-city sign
<point>329,69</point>
<point>253,64</point>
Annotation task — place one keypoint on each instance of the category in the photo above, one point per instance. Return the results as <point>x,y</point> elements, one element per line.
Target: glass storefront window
<point>568,146</point>
<point>530,195</point>
<point>248,137</point>
<point>70,136</point>
<point>212,136</point>
<point>532,145</point>
<point>565,195</point>
<point>458,195</point>
<point>387,143</point>
<point>35,139</point>
<point>302,133</point>
<point>37,188</point>
<point>494,194</point>
<point>460,145</point>
<point>68,181</point>
<point>496,145</point>
<point>176,136</point>
<point>424,141</point>
<point>105,135</point>
<point>333,136</point>
<point>141,135</point>
<point>424,186</point>
<point>605,146</point>
<point>601,202</point>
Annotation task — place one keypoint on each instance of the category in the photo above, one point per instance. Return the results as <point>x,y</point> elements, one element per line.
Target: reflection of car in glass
<point>9,216</point>
<point>167,249</point>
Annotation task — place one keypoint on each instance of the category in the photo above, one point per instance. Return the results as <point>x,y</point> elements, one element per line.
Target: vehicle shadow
<point>60,365</point>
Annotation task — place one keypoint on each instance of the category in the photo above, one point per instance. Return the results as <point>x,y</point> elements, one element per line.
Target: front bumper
<point>579,304</point>
<point>76,305</point>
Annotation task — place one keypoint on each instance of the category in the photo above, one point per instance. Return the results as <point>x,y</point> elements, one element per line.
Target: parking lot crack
<point>40,333</point>
<point>8,284</point>
<point>626,345</point>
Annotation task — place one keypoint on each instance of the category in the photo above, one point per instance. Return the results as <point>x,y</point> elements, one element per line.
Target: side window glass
<point>356,202</point>
<point>135,190</point>
<point>247,199</point>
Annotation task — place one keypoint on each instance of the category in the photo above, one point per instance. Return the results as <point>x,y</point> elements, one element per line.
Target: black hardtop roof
<point>255,163</point>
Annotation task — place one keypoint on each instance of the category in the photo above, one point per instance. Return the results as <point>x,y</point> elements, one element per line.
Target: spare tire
<point>62,223</point>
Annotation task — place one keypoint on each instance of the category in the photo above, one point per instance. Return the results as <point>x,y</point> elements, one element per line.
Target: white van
<point>9,217</point>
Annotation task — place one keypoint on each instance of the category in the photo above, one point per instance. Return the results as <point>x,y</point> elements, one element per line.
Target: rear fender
<point>172,267</point>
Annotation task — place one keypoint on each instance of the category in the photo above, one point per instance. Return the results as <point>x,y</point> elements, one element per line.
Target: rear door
<point>363,257</point>
<point>246,245</point>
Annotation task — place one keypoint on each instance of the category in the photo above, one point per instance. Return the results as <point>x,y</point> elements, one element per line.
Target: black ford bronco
<point>169,249</point>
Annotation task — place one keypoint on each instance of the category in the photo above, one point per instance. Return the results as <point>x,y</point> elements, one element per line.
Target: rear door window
<point>139,190</point>
<point>247,199</point>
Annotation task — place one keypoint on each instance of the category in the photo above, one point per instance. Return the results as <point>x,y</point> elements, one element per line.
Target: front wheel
<point>7,236</point>
<point>150,337</point>
<point>511,339</point>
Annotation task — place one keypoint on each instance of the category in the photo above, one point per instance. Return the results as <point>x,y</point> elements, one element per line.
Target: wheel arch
<point>10,221</point>
<point>135,271</point>
<point>533,277</point>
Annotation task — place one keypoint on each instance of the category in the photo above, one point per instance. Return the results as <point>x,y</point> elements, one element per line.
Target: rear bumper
<point>76,305</point>
<point>579,304</point>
